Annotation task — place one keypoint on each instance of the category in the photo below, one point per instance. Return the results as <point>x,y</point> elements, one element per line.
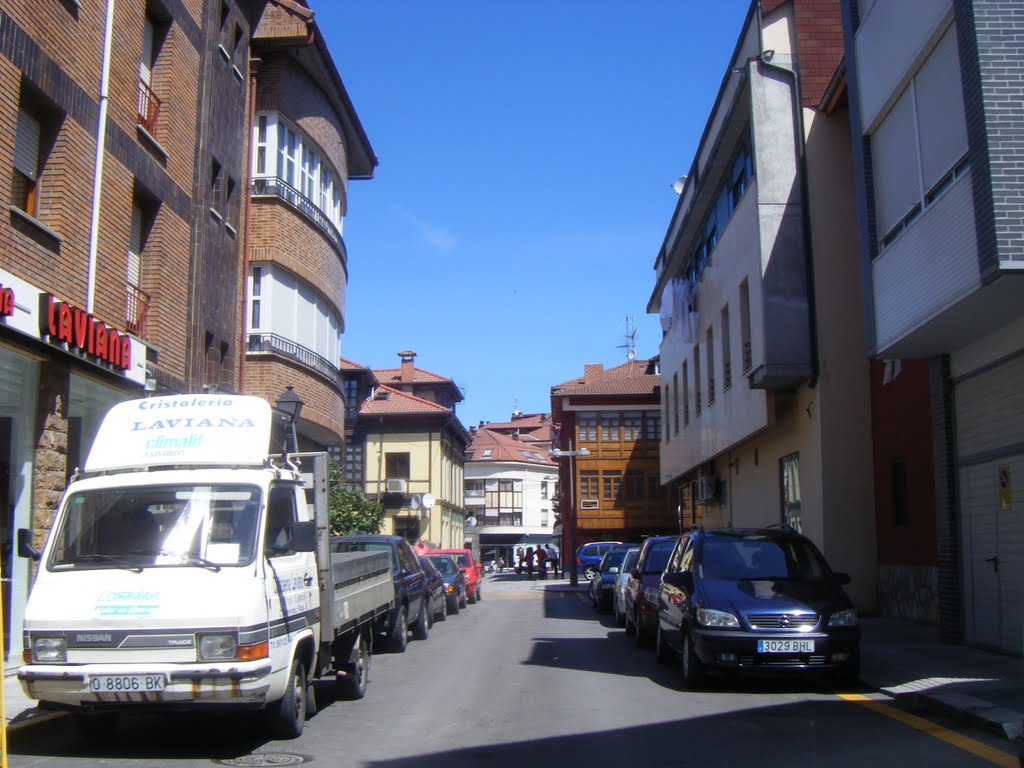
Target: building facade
<point>413,450</point>
<point>612,493</point>
<point>765,386</point>
<point>306,144</point>
<point>937,113</point>
<point>511,487</point>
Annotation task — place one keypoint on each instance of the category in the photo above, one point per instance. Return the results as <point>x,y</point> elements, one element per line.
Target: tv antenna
<point>630,345</point>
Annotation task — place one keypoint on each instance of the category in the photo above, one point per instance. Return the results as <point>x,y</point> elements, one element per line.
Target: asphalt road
<point>531,676</point>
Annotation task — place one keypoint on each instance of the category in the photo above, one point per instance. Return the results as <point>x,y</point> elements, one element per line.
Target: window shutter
<point>940,111</point>
<point>897,176</point>
<point>26,145</point>
<point>283,299</point>
<point>146,62</point>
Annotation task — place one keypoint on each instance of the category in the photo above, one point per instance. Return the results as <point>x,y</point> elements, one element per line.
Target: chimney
<point>408,368</point>
<point>590,371</point>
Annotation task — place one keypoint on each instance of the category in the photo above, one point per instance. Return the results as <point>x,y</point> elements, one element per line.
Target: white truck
<point>187,568</point>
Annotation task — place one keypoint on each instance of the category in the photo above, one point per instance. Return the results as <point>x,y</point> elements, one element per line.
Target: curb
<point>31,717</point>
<point>1001,721</point>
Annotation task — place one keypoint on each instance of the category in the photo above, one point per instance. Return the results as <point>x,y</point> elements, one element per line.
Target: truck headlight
<point>217,647</point>
<point>50,650</point>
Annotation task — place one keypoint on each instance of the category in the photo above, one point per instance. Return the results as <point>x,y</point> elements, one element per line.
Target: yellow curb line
<point>995,756</point>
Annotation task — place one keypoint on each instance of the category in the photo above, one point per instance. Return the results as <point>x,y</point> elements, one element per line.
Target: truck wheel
<point>399,632</point>
<point>288,715</point>
<point>421,629</point>
<point>357,671</point>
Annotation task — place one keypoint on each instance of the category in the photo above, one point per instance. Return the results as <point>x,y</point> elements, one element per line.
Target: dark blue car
<point>755,600</point>
<point>454,579</point>
<point>602,586</point>
<point>588,557</point>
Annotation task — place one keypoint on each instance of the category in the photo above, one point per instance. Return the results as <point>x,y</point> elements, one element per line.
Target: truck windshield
<point>206,526</point>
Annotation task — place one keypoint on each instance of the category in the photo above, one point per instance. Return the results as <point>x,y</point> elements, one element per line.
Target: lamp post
<point>558,453</point>
<point>290,404</point>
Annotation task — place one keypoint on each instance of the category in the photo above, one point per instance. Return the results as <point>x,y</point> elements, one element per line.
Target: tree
<point>350,510</point>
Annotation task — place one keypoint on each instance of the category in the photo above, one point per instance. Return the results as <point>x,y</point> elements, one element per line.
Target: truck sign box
<point>197,430</point>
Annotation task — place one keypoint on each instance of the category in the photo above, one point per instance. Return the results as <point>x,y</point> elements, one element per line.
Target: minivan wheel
<point>693,670</point>
<point>399,632</point>
<point>421,629</point>
<point>661,650</point>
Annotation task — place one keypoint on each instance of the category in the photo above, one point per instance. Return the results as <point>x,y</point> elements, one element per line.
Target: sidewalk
<point>899,658</point>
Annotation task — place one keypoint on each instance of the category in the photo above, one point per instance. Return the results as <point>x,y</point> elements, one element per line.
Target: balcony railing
<point>271,186</point>
<point>509,518</point>
<point>136,308</point>
<point>271,342</point>
<point>474,493</point>
<point>149,108</point>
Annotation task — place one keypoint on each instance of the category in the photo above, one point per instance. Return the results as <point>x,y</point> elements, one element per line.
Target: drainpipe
<point>101,138</point>
<point>254,68</point>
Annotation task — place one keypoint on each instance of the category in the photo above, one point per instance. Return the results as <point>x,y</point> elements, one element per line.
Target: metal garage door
<point>990,448</point>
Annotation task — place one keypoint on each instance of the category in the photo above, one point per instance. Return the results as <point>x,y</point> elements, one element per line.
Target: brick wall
<point>268,375</point>
<point>992,71</point>
<point>280,234</point>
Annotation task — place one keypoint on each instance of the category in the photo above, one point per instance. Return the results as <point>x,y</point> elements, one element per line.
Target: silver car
<point>619,591</point>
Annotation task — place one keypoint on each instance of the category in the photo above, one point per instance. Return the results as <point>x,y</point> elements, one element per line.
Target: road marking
<point>995,756</point>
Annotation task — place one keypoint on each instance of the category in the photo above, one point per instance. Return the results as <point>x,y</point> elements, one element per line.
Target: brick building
<point>124,268</point>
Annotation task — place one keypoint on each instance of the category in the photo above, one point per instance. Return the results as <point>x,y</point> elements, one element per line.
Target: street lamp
<point>558,453</point>
<point>290,405</point>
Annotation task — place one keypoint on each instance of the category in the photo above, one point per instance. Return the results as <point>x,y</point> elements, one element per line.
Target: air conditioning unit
<point>589,504</point>
<point>706,489</point>
<point>395,486</point>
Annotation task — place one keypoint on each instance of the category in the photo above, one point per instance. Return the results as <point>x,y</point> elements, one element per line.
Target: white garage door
<point>990,447</point>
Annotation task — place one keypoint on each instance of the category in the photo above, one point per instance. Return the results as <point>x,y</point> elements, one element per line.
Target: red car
<point>467,563</point>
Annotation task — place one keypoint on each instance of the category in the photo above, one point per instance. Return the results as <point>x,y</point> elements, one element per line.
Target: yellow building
<point>414,453</point>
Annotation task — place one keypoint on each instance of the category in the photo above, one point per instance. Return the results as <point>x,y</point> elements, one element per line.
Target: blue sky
<point>527,154</point>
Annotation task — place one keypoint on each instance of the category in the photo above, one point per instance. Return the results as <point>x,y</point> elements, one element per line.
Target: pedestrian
<point>501,565</point>
<point>542,563</point>
<point>553,559</point>
<point>520,556</point>
<point>529,562</point>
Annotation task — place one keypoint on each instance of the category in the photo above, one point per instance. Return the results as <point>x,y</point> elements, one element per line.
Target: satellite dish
<point>414,502</point>
<point>470,521</point>
<point>427,500</point>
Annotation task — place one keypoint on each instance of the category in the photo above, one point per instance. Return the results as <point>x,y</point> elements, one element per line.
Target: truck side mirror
<point>25,548</point>
<point>303,536</point>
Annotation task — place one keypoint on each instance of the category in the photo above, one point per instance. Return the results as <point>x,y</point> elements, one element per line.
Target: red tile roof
<point>630,378</point>
<point>505,448</point>
<point>392,401</point>
<point>420,376</point>
<point>344,364</point>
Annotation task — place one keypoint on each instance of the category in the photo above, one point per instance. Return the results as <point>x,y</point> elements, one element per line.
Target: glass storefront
<point>19,385</point>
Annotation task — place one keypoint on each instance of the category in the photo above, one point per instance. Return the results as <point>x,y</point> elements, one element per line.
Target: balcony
<point>270,186</point>
<point>502,519</point>
<point>271,342</point>
<point>136,308</point>
<point>149,108</point>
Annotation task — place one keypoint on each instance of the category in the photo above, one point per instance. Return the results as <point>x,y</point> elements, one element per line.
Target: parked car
<point>603,583</point>
<point>437,609</point>
<point>619,588</point>
<point>755,600</point>
<point>410,587</point>
<point>588,557</point>
<point>474,571</point>
<point>642,587</point>
<point>454,581</point>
